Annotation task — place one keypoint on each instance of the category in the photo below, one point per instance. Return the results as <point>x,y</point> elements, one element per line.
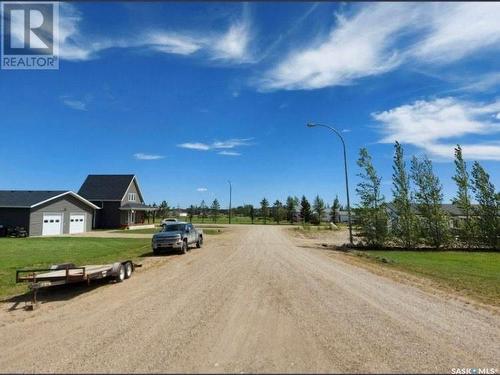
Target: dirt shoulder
<point>326,241</point>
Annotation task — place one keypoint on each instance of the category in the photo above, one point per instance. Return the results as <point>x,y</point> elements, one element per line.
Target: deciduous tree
<point>334,214</point>
<point>277,211</point>
<point>463,200</point>
<point>371,214</point>
<point>488,209</point>
<point>433,221</point>
<point>404,223</point>
<point>215,210</point>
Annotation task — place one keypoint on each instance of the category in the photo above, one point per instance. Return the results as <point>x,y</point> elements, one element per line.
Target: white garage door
<point>76,223</point>
<point>52,224</point>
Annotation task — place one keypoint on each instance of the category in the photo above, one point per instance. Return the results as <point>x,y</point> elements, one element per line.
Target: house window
<point>131,197</point>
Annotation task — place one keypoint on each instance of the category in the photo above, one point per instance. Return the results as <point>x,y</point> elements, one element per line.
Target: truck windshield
<point>174,228</point>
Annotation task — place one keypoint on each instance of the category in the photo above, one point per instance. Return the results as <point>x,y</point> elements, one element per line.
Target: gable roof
<point>33,198</point>
<point>106,187</point>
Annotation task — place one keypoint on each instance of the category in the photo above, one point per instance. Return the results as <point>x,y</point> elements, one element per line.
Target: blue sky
<point>187,96</point>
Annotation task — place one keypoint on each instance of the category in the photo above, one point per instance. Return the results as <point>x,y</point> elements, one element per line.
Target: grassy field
<point>17,253</point>
<point>476,275</point>
<point>224,219</point>
<point>206,230</point>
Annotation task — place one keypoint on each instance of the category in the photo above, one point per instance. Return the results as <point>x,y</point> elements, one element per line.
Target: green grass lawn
<point>474,274</point>
<point>17,253</point>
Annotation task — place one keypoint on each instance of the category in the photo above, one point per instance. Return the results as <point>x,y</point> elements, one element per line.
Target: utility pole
<point>230,198</point>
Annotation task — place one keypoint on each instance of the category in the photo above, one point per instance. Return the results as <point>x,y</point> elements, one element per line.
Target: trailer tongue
<point>68,273</point>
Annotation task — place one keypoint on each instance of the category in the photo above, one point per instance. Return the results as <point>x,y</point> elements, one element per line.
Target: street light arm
<point>333,130</point>
<point>312,125</point>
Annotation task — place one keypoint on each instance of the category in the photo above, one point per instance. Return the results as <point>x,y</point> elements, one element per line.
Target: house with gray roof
<point>46,213</point>
<point>119,198</point>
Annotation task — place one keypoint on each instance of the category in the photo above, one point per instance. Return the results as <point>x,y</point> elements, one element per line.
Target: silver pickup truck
<point>176,236</point>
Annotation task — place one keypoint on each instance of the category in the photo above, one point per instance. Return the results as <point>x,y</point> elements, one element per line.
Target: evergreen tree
<point>371,214</point>
<point>404,224</point>
<point>319,208</point>
<point>291,207</point>
<point>252,213</point>
<point>305,210</point>
<point>334,214</point>
<point>264,209</point>
<point>487,211</point>
<point>428,198</point>
<point>466,227</point>
<point>277,211</point>
<point>203,211</point>
<point>190,211</point>
<point>215,210</point>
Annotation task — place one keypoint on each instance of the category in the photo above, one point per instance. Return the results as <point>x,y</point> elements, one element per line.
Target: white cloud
<point>195,146</point>
<point>229,153</point>
<point>380,37</point>
<point>457,30</point>
<point>172,43</point>
<point>428,124</point>
<point>217,145</point>
<point>79,105</point>
<point>357,47</point>
<point>231,143</point>
<point>231,45</point>
<point>142,156</point>
<point>202,189</point>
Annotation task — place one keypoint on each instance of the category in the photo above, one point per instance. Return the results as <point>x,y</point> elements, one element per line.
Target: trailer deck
<point>68,273</point>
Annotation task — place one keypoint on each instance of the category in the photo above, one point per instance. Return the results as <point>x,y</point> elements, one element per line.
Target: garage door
<point>76,223</point>
<point>52,224</point>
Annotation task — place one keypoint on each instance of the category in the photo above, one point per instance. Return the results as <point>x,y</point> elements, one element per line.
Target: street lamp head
<point>310,125</point>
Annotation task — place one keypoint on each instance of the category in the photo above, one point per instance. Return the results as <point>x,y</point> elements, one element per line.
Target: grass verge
<point>473,274</point>
<point>17,253</point>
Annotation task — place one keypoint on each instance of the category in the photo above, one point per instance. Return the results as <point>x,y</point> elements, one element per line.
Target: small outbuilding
<point>46,213</point>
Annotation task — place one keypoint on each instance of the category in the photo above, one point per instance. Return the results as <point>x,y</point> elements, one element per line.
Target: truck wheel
<point>184,248</point>
<point>128,270</point>
<point>120,275</point>
<point>199,243</point>
<point>156,252</point>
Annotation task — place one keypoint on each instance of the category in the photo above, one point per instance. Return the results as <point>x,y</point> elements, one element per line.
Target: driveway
<point>251,300</point>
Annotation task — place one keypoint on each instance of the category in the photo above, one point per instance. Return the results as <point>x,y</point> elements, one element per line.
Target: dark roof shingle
<point>105,187</point>
<point>26,198</point>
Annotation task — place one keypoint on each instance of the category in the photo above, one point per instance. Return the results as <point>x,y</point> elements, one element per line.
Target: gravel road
<point>251,300</point>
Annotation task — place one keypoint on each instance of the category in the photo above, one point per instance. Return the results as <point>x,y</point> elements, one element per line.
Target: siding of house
<point>15,217</point>
<point>109,214</point>
<point>133,189</point>
<point>66,205</point>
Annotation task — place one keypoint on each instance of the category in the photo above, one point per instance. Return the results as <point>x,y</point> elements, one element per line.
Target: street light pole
<point>230,197</point>
<point>311,125</point>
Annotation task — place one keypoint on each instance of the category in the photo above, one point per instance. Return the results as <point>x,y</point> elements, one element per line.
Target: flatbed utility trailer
<point>68,273</point>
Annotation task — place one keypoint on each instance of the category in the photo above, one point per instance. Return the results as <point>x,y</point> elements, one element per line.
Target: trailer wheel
<point>128,270</point>
<point>120,275</point>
